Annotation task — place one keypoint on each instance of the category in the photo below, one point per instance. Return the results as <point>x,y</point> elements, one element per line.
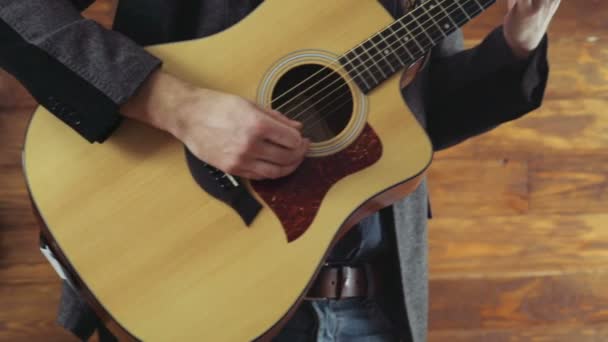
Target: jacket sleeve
<point>78,70</point>
<point>473,91</point>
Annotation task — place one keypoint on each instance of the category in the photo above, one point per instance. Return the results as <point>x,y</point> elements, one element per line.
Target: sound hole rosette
<point>358,117</point>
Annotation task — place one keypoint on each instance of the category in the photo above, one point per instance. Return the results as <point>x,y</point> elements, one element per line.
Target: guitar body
<point>168,262</point>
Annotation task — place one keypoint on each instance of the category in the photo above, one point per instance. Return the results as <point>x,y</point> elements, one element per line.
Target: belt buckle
<point>339,279</point>
<point>321,280</point>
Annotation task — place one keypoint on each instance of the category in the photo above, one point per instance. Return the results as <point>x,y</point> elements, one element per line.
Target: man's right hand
<point>221,129</point>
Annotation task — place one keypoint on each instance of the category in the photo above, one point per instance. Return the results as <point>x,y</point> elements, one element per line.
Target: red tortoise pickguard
<point>295,199</point>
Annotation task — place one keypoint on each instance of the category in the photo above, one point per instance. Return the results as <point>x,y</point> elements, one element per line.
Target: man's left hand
<point>526,23</point>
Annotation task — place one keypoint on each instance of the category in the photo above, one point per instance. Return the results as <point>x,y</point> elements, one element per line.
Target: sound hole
<point>316,96</point>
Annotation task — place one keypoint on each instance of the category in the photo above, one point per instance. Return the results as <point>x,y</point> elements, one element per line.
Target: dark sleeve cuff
<point>533,70</point>
<point>535,73</point>
<point>78,70</point>
<point>491,90</point>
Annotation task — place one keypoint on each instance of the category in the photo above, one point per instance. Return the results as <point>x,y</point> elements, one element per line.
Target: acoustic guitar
<point>168,248</point>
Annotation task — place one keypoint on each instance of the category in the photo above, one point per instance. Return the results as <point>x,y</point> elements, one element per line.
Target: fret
<point>462,9</point>
<point>388,49</point>
<point>383,55</point>
<point>471,7</point>
<point>395,37</point>
<point>364,57</point>
<point>447,15</point>
<point>414,17</point>
<point>480,6</point>
<point>442,17</point>
<point>351,62</point>
<point>432,18</point>
<point>373,56</point>
<point>408,38</point>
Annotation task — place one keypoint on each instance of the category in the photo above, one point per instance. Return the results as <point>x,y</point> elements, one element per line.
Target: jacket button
<point>74,118</point>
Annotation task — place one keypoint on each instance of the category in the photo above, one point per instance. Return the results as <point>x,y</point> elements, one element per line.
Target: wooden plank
<point>510,247</point>
<point>29,312</point>
<point>21,261</point>
<point>579,67</point>
<point>12,93</point>
<point>560,128</point>
<point>34,330</point>
<point>465,188</point>
<point>19,246</point>
<point>569,185</point>
<point>13,124</point>
<point>550,333</point>
<point>516,303</point>
<point>24,302</point>
<point>21,273</point>
<point>15,208</point>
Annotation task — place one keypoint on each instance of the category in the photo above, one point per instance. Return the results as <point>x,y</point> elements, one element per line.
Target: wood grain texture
<point>519,302</point>
<point>15,209</point>
<point>465,187</point>
<point>560,333</point>
<point>569,185</point>
<point>13,124</point>
<point>28,313</point>
<point>516,246</point>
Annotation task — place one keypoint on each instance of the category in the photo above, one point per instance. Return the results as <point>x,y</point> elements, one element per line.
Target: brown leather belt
<point>340,282</point>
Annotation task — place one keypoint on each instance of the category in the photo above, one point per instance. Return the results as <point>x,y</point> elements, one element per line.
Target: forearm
<point>159,100</point>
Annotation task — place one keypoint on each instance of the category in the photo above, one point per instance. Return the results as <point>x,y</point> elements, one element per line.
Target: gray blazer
<point>458,94</point>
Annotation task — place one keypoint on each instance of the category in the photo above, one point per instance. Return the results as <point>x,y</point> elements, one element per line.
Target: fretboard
<point>408,39</point>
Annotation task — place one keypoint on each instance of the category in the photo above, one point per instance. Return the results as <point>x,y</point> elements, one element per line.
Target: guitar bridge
<point>224,187</point>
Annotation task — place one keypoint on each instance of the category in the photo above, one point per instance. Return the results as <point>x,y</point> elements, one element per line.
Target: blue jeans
<point>357,320</point>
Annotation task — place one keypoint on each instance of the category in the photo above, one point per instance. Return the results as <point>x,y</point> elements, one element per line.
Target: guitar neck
<point>408,39</point>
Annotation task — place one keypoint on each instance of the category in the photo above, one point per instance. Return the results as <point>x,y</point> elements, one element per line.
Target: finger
<point>281,134</point>
<point>276,154</point>
<point>279,116</point>
<point>271,171</point>
<point>252,175</point>
<point>247,170</point>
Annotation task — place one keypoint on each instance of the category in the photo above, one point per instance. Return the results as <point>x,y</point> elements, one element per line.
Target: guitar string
<point>357,56</point>
<point>344,102</point>
<point>414,35</point>
<point>352,80</point>
<point>410,14</point>
<point>368,68</point>
<point>323,117</point>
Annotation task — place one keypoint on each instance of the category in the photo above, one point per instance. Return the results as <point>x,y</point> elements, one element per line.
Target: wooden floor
<point>519,242</point>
